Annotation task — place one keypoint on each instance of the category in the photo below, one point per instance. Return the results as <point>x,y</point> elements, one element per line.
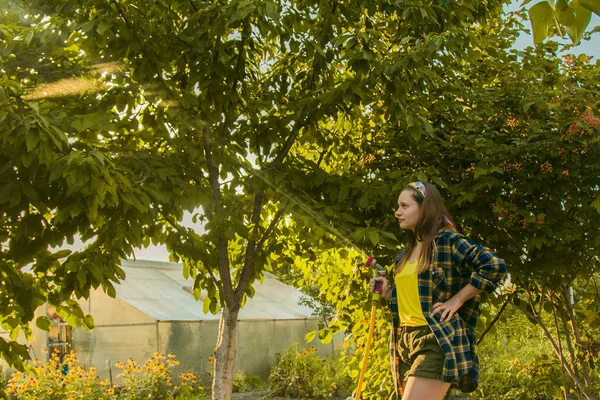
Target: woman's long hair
<point>434,217</point>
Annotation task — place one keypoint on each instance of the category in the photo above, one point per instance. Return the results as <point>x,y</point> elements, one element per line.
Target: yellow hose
<point>366,357</point>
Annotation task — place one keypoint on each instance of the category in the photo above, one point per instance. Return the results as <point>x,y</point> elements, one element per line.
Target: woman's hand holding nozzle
<point>382,286</point>
<point>378,284</point>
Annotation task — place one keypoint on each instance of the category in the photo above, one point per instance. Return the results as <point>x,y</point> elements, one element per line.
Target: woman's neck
<point>416,252</point>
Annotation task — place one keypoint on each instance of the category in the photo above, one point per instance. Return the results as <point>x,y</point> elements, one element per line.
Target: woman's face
<point>409,211</point>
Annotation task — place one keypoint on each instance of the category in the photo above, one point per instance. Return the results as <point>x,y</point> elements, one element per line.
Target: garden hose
<point>379,271</point>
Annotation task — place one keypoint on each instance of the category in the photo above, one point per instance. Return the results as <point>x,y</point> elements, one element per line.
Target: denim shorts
<point>419,353</point>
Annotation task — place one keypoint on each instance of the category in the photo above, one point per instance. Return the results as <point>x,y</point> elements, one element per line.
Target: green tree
<point>519,151</point>
<point>289,128</point>
<point>532,169</point>
<point>69,167</point>
<point>512,139</point>
<point>256,102</point>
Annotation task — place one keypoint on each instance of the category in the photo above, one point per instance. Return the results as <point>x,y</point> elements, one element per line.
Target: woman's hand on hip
<point>448,309</point>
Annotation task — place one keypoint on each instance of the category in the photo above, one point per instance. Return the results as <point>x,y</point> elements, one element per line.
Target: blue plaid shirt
<point>455,262</point>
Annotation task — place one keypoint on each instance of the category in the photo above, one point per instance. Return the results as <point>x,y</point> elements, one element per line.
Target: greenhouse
<point>154,311</point>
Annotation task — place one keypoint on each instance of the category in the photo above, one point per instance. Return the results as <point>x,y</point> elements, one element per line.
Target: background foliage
<point>288,129</point>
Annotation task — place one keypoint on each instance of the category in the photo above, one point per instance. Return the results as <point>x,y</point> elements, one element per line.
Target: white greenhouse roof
<point>159,290</point>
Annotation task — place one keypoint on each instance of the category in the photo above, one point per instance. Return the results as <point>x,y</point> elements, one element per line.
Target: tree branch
<point>562,359</point>
<point>578,382</point>
<point>571,314</point>
<point>251,251</point>
<point>496,318</point>
<point>222,254</point>
<point>311,83</point>
<point>580,385</point>
<point>122,14</point>
<point>272,226</point>
<point>285,149</point>
<point>240,70</point>
<point>248,268</point>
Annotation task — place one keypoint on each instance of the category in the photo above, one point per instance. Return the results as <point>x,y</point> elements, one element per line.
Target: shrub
<point>303,374</point>
<point>517,363</point>
<point>2,386</point>
<point>243,382</point>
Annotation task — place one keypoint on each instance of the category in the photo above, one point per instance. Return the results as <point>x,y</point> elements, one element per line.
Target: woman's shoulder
<point>446,234</point>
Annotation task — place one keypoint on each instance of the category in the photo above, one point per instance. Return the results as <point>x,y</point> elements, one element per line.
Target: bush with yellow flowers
<point>59,379</point>
<point>153,380</point>
<point>189,388</point>
<point>64,379</point>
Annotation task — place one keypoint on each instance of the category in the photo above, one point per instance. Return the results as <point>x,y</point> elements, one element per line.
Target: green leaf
<point>31,140</point>
<point>343,193</point>
<point>310,336</point>
<point>548,307</point>
<point>363,201</point>
<point>14,333</point>
<point>596,204</point>
<point>272,10</point>
<point>197,294</point>
<point>479,171</point>
<point>214,307</point>
<point>542,21</point>
<point>374,237</point>
<point>103,26</point>
<point>81,277</point>
<point>319,49</point>
<point>44,323</point>
<point>88,322</point>
<point>581,20</point>
<point>206,305</point>
<point>360,66</point>
<point>592,5</point>
<point>242,13</point>
<point>61,254</point>
<point>28,37</point>
<point>325,336</point>
<point>390,235</point>
<point>110,290</point>
<point>422,177</point>
<point>353,373</point>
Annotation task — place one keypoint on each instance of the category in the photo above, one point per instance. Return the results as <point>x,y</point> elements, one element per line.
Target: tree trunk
<point>225,354</point>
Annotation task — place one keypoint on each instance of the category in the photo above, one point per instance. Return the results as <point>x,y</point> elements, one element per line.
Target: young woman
<point>434,298</point>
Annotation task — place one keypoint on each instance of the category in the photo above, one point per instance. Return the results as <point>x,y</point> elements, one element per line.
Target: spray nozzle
<point>372,263</point>
<point>378,271</point>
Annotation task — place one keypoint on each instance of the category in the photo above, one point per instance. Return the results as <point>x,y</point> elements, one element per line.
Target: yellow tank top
<point>407,294</point>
